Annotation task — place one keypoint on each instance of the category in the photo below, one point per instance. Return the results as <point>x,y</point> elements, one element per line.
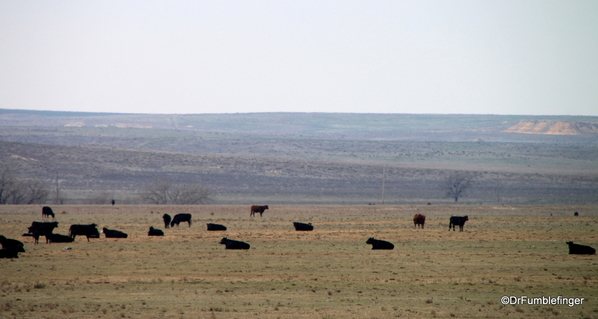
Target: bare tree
<point>7,184</point>
<point>36,192</point>
<point>16,191</point>
<point>164,192</point>
<point>457,184</point>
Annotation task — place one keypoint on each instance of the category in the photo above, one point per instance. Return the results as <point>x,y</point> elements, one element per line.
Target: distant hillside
<point>305,157</point>
<point>553,128</point>
<point>349,126</point>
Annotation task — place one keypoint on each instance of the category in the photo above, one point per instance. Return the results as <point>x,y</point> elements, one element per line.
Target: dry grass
<point>327,273</point>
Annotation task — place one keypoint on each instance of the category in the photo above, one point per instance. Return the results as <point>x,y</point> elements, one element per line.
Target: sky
<point>447,57</point>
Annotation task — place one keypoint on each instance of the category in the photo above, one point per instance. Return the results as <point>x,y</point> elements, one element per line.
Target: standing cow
<point>178,218</point>
<point>47,212</point>
<point>41,229</point>
<point>167,219</point>
<point>380,244</point>
<point>257,209</point>
<point>577,249</point>
<point>89,231</point>
<point>457,221</point>
<point>419,219</point>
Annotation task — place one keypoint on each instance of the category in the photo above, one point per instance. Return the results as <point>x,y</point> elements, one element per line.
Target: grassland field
<point>327,273</point>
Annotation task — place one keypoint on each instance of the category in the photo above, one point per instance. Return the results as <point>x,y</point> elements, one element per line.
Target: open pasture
<point>326,273</point>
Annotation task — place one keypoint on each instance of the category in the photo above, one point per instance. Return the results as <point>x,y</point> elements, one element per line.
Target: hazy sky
<point>473,57</point>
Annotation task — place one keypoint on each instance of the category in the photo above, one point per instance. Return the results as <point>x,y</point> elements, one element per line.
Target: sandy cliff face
<point>553,128</point>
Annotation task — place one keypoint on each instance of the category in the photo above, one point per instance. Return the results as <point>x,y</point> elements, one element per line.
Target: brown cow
<point>419,219</point>
<point>258,209</point>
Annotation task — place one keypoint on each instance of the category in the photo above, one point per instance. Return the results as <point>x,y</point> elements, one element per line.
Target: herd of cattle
<point>12,247</point>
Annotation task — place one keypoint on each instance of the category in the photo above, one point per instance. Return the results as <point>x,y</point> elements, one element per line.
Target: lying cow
<point>178,218</point>
<point>59,238</point>
<point>234,244</point>
<point>419,219</point>
<point>47,212</point>
<point>112,233</point>
<point>10,252</point>
<point>380,244</point>
<point>12,243</point>
<point>155,232</point>
<point>167,219</point>
<point>89,231</point>
<point>303,226</point>
<point>576,249</point>
<point>212,226</point>
<point>41,229</point>
<point>457,221</point>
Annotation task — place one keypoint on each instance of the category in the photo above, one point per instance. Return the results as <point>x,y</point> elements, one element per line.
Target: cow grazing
<point>59,238</point>
<point>112,233</point>
<point>380,244</point>
<point>576,249</point>
<point>89,231</point>
<point>155,232</point>
<point>41,229</point>
<point>167,219</point>
<point>234,244</point>
<point>303,226</point>
<point>457,221</point>
<point>10,252</point>
<point>12,243</point>
<point>258,209</point>
<point>178,218</point>
<point>419,219</point>
<point>576,214</point>
<point>47,212</point>
<point>216,227</point>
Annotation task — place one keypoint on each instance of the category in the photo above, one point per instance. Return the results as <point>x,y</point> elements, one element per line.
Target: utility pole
<point>383,183</point>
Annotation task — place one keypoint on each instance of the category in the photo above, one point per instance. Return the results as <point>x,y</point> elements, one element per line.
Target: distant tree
<point>457,184</point>
<point>163,192</point>
<point>14,190</point>
<point>8,182</point>
<point>36,192</point>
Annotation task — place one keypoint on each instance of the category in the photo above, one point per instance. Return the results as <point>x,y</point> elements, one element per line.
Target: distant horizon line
<point>8,110</point>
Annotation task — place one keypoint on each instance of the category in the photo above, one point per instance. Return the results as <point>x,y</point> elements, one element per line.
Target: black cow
<point>257,209</point>
<point>112,233</point>
<point>59,238</point>
<point>89,231</point>
<point>303,226</point>
<point>10,243</point>
<point>178,218</point>
<point>47,212</point>
<point>167,219</point>
<point>576,249</point>
<point>380,244</point>
<point>216,227</point>
<point>457,221</point>
<point>155,232</point>
<point>10,252</point>
<point>234,244</point>
<point>41,229</point>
